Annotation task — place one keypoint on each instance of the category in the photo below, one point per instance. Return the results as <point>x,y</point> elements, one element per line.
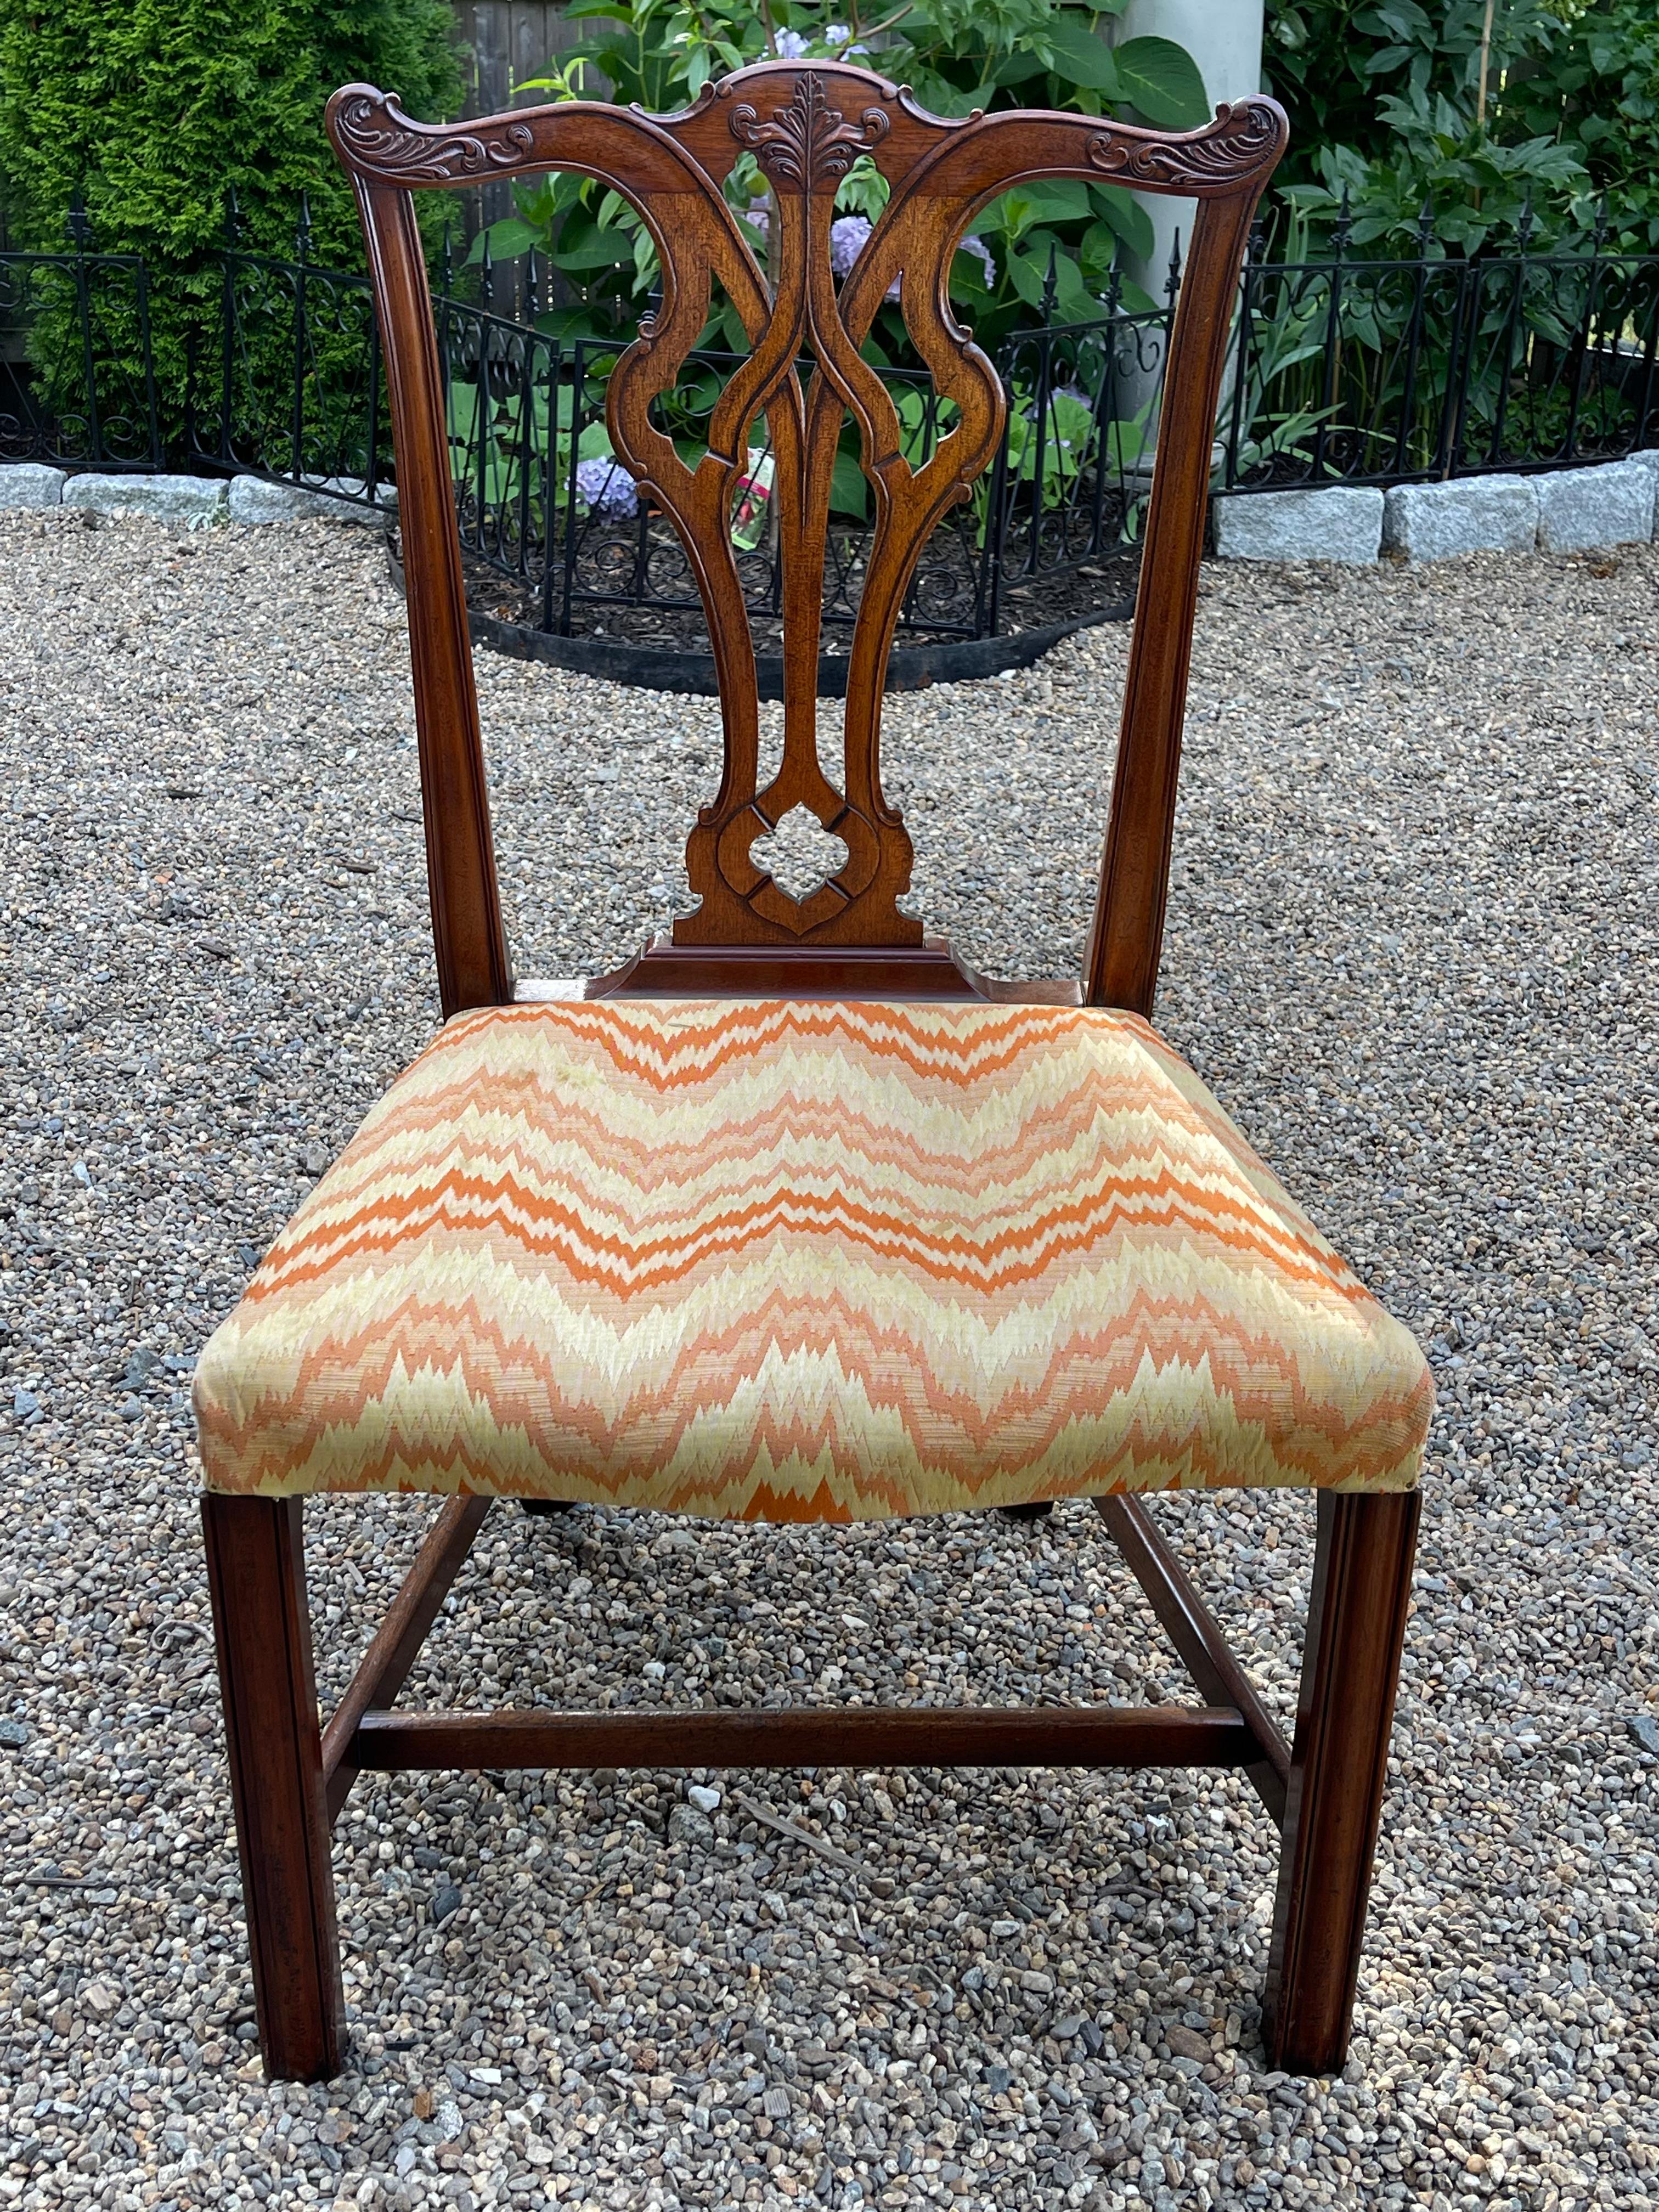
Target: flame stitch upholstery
<point>791,1260</point>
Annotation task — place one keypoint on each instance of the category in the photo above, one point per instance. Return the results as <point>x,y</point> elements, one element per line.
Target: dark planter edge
<point>910,668</point>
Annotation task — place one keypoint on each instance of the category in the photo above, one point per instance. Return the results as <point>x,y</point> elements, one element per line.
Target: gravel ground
<point>1411,941</point>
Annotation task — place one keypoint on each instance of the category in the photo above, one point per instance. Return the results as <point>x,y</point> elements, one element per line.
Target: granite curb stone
<point>1339,522</point>
<point>167,498</point>
<point>258,499</point>
<point>31,484</point>
<point>1579,510</point>
<point>1469,514</point>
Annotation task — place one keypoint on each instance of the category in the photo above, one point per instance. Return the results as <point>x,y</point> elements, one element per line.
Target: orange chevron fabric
<point>790,1261</point>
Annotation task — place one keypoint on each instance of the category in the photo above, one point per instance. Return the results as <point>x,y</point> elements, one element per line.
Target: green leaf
<point>573,326</point>
<point>849,493</point>
<point>941,98</point>
<point>605,249</point>
<point>968,282</point>
<point>1083,59</point>
<point>1065,200</point>
<point>1028,275</point>
<point>508,240</point>
<point>1163,81</point>
<point>1074,301</point>
<point>1127,217</point>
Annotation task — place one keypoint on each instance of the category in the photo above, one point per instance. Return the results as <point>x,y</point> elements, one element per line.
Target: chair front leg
<point>256,1573</point>
<point>1345,1713</point>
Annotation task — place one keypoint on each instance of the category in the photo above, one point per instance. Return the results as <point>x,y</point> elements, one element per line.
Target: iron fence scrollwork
<point>77,381</point>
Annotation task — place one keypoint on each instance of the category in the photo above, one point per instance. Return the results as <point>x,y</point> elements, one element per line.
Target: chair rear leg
<point>256,1573</point>
<point>1345,1713</point>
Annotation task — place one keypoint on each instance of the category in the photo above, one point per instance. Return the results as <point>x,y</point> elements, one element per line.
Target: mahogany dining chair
<point>795,1217</point>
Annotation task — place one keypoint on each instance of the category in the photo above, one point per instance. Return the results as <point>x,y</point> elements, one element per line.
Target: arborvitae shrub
<point>155,111</point>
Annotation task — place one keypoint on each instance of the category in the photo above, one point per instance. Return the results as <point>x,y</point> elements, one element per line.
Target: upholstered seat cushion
<point>791,1260</point>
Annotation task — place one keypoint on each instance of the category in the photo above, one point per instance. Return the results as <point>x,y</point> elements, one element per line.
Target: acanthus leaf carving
<point>808,141</point>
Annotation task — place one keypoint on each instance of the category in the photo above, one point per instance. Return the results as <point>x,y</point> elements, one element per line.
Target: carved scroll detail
<point>808,143</point>
<point>1221,153</point>
<point>370,129</point>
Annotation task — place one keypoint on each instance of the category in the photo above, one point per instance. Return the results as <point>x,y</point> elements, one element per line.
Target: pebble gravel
<point>1412,944</point>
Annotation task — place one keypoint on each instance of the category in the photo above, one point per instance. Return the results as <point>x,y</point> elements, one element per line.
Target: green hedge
<point>155,111</point>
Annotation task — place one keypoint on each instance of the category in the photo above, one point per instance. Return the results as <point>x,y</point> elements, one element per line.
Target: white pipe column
<point>1223,37</point>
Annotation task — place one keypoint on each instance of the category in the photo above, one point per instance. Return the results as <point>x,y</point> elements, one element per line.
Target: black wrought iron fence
<point>77,382</point>
<point>1352,370</point>
<point>1345,370</point>
<point>285,378</point>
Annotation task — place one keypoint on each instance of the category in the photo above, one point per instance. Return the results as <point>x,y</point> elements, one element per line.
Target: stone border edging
<point>195,501</point>
<point>1553,511</point>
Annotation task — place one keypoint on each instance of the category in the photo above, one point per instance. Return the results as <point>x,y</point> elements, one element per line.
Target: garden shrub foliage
<point>156,111</point>
<point>1052,246</point>
<point>1384,102</point>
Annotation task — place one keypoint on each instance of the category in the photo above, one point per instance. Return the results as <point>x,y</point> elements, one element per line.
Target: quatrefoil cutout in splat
<point>800,855</point>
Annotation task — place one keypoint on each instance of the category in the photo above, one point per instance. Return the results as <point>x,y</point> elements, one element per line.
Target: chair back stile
<point>804,124</point>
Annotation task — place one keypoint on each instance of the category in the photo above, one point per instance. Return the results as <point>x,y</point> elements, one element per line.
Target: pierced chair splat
<point>794,1218</point>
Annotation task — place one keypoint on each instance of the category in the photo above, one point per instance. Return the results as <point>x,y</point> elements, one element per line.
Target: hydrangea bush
<point>1050,249</point>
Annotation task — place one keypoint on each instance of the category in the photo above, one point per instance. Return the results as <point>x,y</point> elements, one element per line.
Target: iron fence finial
<point>1172,284</point>
<point>1050,283</point>
<point>1523,225</point>
<point>302,229</point>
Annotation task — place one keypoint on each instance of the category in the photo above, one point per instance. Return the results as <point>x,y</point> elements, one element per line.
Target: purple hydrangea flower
<point>606,487</point>
<point>790,46</point>
<point>837,34</point>
<point>848,235</point>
